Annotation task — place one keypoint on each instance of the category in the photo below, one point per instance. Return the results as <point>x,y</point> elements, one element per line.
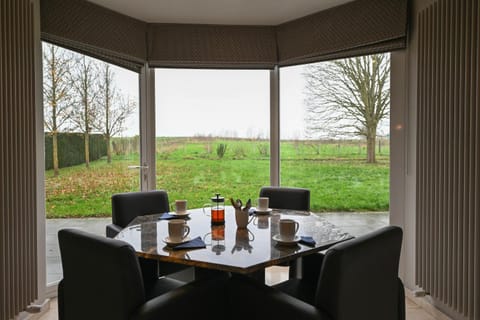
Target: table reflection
<point>242,240</point>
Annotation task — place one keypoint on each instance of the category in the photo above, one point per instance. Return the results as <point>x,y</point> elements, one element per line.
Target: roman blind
<point>355,28</point>
<point>18,224</point>
<point>184,45</point>
<point>448,155</point>
<point>96,31</point>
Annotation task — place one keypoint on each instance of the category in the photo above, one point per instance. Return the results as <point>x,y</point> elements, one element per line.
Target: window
<point>334,135</point>
<point>212,133</point>
<point>91,138</point>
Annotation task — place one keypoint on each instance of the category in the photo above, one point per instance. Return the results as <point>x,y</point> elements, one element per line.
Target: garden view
<point>195,169</point>
<point>333,140</point>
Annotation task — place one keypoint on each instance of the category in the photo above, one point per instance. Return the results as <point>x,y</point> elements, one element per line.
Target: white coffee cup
<point>262,203</point>
<point>180,206</point>
<point>177,230</point>
<point>288,229</point>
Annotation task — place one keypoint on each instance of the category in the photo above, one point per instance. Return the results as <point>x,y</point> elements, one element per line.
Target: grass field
<point>336,174</point>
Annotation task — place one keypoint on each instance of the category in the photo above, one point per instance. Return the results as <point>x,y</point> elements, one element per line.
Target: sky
<point>226,103</point>
<point>231,103</point>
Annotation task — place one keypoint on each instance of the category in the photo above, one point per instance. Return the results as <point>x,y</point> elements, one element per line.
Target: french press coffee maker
<point>217,210</point>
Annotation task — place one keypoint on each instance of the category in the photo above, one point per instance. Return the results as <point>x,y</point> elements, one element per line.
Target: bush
<point>239,152</point>
<point>221,149</point>
<point>263,149</point>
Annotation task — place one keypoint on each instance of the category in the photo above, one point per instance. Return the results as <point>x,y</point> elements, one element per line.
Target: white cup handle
<point>186,232</point>
<point>250,233</point>
<point>297,225</point>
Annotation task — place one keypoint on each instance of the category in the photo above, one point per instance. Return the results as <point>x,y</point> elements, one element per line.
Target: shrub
<point>239,152</point>
<point>263,149</point>
<point>221,149</point>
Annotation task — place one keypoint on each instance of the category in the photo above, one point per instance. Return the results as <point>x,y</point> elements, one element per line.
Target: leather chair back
<point>128,206</point>
<point>287,198</point>
<point>101,277</point>
<point>359,277</point>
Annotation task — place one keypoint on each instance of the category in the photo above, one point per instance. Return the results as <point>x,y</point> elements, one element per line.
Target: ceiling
<point>226,12</point>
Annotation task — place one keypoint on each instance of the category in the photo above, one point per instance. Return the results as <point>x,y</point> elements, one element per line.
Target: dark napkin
<point>307,240</point>
<point>195,243</point>
<point>167,216</point>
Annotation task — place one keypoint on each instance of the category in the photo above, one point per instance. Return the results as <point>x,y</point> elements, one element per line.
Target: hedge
<point>71,149</point>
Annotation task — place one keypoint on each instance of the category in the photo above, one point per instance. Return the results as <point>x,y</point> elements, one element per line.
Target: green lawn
<point>336,174</point>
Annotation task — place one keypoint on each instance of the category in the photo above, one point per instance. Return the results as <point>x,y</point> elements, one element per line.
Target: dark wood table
<point>243,251</point>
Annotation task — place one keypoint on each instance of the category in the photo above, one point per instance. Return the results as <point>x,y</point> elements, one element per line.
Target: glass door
<point>92,143</point>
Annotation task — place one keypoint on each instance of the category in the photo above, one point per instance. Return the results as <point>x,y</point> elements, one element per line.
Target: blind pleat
<point>18,253</point>
<point>448,222</point>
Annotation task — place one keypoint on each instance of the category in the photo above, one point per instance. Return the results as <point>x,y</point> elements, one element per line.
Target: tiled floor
<point>353,223</point>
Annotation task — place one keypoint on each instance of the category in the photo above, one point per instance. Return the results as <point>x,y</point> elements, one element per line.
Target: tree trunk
<point>371,148</point>
<point>109,149</point>
<point>55,153</point>
<point>87,149</point>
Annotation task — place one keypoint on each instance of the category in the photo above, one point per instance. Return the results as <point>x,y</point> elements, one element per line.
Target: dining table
<point>227,247</point>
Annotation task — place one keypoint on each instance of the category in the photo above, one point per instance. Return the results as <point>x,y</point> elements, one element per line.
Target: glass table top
<point>229,248</point>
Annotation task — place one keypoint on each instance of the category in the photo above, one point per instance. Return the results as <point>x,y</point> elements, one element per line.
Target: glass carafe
<point>217,210</point>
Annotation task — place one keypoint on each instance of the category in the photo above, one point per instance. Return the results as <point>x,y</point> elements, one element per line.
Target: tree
<point>348,96</point>
<point>57,95</point>
<point>85,112</point>
<point>114,108</point>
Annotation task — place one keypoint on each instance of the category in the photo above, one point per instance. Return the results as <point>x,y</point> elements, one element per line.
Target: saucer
<point>172,243</point>
<point>180,214</point>
<point>266,211</point>
<point>286,242</point>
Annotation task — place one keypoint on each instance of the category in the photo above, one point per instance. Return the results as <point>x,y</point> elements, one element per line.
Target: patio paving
<point>352,222</point>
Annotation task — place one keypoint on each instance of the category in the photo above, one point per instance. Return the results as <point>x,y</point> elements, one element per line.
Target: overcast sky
<point>227,103</point>
<point>232,103</point>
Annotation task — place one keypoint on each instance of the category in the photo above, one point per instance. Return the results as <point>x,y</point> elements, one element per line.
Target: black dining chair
<point>356,280</point>
<point>102,280</point>
<point>287,197</point>
<point>128,206</point>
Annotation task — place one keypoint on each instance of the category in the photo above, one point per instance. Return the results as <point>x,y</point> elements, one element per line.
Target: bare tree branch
<point>348,97</point>
<point>113,108</point>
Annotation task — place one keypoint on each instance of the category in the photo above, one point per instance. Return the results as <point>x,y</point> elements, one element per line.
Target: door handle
<point>137,167</point>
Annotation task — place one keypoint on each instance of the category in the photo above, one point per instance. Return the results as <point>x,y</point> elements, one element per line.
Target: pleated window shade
<point>18,224</point>
<point>356,28</point>
<point>448,162</point>
<point>90,29</point>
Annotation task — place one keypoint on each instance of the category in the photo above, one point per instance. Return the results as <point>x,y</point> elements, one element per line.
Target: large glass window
<point>334,120</point>
<point>91,125</point>
<point>212,133</point>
